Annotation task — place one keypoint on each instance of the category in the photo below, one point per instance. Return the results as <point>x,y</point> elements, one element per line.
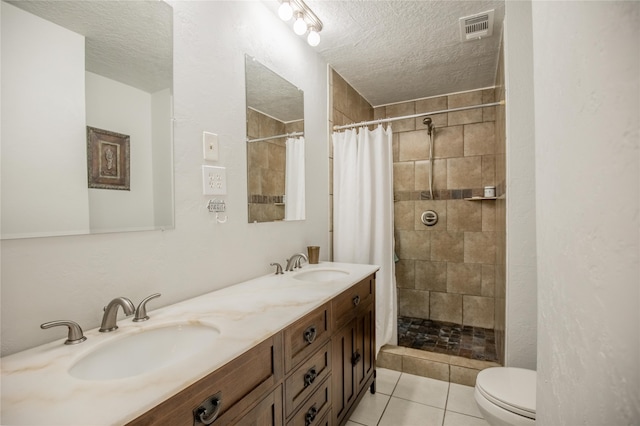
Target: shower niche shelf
<point>480,198</point>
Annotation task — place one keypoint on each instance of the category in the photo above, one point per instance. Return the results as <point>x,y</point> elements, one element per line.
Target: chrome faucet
<point>111,313</point>
<point>294,261</point>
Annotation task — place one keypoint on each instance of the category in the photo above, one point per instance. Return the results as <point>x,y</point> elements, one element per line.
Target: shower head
<point>427,122</point>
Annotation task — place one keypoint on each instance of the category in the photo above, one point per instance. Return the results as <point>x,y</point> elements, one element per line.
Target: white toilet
<point>506,396</point>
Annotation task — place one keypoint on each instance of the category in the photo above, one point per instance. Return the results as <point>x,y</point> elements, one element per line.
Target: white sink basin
<point>321,275</point>
<point>145,351</point>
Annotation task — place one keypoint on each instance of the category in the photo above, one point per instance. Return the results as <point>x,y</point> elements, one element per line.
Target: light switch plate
<point>210,146</point>
<point>214,180</point>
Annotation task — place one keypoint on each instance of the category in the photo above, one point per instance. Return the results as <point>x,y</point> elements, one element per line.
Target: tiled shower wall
<point>446,272</point>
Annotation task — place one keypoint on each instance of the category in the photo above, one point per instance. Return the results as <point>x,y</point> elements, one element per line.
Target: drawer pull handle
<point>310,334</point>
<point>355,358</point>
<point>356,300</point>
<point>208,410</point>
<point>310,376</point>
<point>311,415</point>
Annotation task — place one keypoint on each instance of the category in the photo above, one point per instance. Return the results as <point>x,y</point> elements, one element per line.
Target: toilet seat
<point>512,389</point>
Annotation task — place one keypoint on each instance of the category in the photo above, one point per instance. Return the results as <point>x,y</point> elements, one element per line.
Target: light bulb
<point>313,38</point>
<point>300,27</point>
<point>285,11</point>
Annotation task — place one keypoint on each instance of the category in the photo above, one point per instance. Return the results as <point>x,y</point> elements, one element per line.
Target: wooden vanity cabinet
<point>237,386</point>
<point>310,374</point>
<point>353,347</point>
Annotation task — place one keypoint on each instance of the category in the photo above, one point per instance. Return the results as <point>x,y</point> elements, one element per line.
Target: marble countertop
<point>37,388</point>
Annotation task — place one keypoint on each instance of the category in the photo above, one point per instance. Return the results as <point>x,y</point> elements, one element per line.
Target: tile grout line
<point>445,410</point>
<point>446,402</point>
<point>389,401</point>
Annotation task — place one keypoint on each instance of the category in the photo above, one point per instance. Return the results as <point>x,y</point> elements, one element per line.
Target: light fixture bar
<point>313,20</point>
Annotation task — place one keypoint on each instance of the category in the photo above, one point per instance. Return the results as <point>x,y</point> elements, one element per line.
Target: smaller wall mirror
<point>275,146</point>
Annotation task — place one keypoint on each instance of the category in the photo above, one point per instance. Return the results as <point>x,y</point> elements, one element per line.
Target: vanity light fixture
<point>313,38</point>
<point>306,22</point>
<point>299,25</point>
<point>285,11</point>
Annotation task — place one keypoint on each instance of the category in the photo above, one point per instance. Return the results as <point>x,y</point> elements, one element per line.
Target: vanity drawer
<point>312,412</point>
<point>268,412</point>
<point>346,305</point>
<point>327,420</point>
<point>306,378</point>
<point>306,335</point>
<point>238,385</point>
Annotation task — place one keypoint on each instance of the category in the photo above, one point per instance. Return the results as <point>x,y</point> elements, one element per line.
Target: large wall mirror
<point>86,88</point>
<point>275,146</point>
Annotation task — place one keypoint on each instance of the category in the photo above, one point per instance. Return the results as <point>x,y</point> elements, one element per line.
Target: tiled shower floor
<point>447,338</point>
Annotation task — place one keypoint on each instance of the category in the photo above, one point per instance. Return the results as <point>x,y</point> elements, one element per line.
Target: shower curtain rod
<point>422,114</point>
<point>286,135</point>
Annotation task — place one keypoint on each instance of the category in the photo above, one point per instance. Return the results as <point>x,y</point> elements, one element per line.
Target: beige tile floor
<point>403,399</point>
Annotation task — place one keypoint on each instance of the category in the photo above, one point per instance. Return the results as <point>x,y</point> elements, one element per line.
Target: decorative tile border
<point>266,199</point>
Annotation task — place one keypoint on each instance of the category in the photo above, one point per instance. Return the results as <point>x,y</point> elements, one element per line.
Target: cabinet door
<point>344,389</point>
<point>365,351</point>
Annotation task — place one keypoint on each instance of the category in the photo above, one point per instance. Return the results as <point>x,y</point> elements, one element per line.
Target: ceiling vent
<point>476,26</point>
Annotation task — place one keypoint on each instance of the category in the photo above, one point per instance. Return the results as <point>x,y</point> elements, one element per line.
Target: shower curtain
<point>294,179</point>
<point>363,214</point>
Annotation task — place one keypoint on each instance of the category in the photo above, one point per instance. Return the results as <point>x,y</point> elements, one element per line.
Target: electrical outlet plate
<point>214,180</point>
<point>210,146</point>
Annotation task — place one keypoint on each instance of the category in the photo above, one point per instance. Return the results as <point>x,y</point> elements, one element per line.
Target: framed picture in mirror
<point>107,159</point>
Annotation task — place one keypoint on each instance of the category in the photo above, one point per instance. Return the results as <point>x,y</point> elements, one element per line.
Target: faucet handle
<point>299,258</point>
<point>278,268</point>
<point>141,310</point>
<point>75,335</point>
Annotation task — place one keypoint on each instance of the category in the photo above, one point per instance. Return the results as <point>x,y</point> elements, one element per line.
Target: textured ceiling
<point>127,41</point>
<point>389,51</point>
<point>393,51</point>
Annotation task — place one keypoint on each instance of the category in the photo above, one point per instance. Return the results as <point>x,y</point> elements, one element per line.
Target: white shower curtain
<point>294,180</point>
<point>363,214</point>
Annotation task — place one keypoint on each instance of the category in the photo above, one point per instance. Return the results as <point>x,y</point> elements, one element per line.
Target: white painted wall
<point>587,112</point>
<point>42,73</point>
<point>123,109</point>
<point>521,296</point>
<point>74,277</point>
